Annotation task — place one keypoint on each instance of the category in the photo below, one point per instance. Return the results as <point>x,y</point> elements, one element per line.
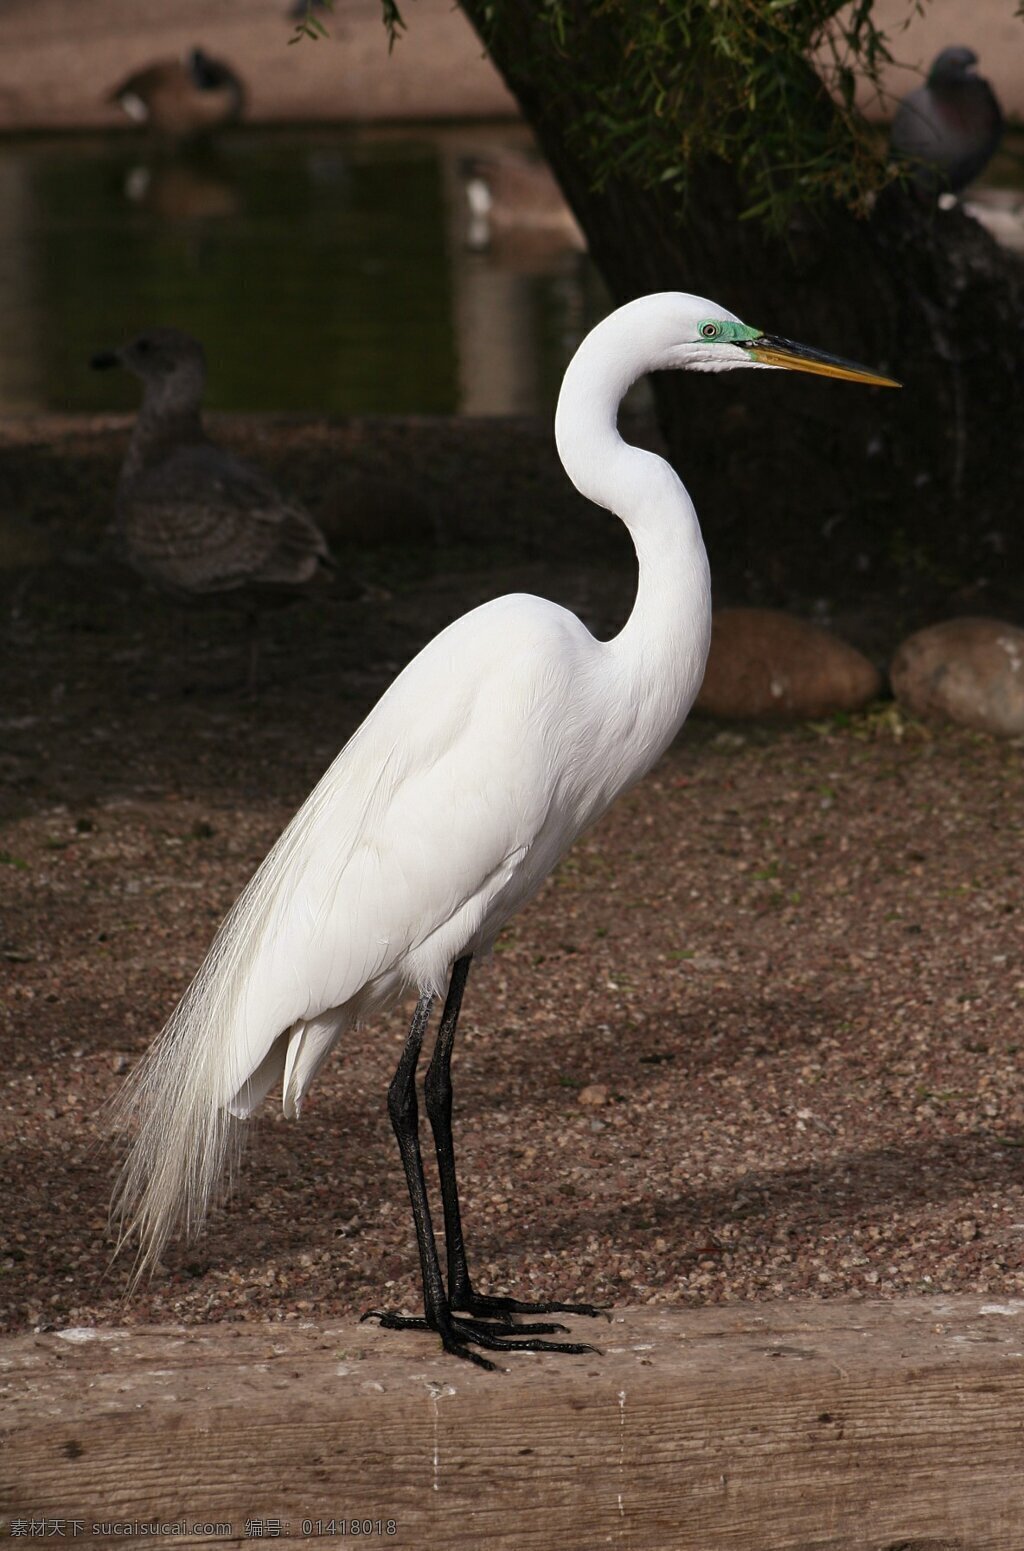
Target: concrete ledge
<point>59,59</point>
<point>753,1428</point>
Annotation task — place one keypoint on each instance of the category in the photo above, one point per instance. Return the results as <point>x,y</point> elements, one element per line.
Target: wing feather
<point>385,873</point>
<point>202,521</point>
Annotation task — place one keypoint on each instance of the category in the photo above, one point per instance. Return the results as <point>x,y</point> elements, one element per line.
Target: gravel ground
<point>758,1038</point>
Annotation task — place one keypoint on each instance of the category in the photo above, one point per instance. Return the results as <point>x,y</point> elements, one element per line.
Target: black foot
<point>495,1325</point>
<point>482,1307</point>
<point>457,1334</point>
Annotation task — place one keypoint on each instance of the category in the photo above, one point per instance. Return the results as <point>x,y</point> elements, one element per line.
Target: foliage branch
<point>667,84</point>
<point>765,87</point>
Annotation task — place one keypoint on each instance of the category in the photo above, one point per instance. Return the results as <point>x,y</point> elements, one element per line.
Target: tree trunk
<point>809,488</point>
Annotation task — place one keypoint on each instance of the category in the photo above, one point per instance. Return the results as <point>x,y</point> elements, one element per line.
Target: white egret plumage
<point>507,736</point>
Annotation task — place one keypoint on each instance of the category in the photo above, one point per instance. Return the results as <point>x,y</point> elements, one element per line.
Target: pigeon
<point>949,128</point>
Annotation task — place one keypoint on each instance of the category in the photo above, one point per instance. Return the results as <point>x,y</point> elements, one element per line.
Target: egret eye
<point>710,330</point>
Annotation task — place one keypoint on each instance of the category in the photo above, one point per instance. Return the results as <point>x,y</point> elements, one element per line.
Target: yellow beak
<point>770,351</point>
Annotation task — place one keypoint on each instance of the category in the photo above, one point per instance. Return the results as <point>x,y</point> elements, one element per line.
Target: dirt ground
<point>759,1037</point>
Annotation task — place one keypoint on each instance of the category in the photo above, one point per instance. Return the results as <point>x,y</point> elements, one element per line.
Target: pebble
<point>969,671</point>
<point>764,663</point>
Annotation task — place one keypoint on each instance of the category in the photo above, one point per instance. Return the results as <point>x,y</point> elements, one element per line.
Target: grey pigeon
<point>949,128</point>
<point>193,518</point>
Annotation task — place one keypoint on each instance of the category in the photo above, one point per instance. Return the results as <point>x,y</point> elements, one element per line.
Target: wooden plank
<point>792,1427</point>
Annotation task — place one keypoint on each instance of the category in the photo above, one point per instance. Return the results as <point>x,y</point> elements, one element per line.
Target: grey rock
<point>968,671</point>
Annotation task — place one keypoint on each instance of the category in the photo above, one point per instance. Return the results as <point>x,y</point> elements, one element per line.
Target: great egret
<point>193,518</point>
<point>949,128</point>
<point>182,99</point>
<point>510,733</point>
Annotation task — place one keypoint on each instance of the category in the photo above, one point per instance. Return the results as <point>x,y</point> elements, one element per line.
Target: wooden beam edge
<point>733,1428</point>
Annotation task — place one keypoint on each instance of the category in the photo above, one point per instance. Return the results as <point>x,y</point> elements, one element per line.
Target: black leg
<point>404,1114</point>
<point>456,1334</point>
<point>402,1109</point>
<point>437,1091</point>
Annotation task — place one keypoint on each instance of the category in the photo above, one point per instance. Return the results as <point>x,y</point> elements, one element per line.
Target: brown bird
<point>182,99</point>
<point>509,192</point>
<point>191,517</point>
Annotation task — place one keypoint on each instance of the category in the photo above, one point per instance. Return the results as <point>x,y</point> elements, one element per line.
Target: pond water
<point>325,270</point>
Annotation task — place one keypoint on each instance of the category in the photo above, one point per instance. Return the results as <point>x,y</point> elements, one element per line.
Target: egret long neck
<point>663,646</point>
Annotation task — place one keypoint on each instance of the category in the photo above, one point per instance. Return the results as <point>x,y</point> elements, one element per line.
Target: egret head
<point>703,337</point>
<point>172,365</point>
<point>667,331</point>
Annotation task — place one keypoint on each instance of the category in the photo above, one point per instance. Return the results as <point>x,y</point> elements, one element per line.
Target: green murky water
<point>324,270</point>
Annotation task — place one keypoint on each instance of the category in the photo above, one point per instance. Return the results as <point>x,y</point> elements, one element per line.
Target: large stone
<point>767,664</point>
<point>969,671</point>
